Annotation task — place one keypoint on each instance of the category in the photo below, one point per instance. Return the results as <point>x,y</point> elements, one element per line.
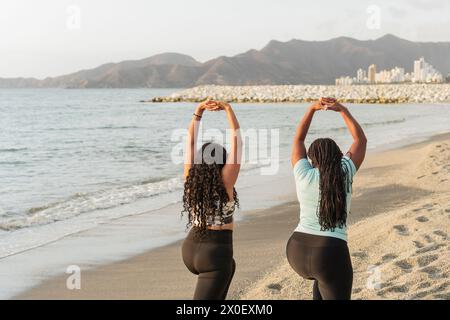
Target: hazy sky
<point>52,37</point>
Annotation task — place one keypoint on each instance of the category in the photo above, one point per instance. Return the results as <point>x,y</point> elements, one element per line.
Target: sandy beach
<point>398,235</point>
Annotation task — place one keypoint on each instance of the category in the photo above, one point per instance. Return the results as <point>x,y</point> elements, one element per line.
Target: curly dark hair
<point>332,209</point>
<point>204,192</point>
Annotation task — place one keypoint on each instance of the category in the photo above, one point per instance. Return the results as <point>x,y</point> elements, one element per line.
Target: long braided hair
<point>204,192</point>
<point>332,209</point>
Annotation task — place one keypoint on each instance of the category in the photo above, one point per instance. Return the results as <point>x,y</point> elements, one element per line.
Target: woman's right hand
<point>322,103</point>
<point>316,106</point>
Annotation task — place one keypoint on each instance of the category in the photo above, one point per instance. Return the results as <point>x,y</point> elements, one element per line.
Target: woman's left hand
<point>217,105</point>
<point>335,107</point>
<point>224,105</point>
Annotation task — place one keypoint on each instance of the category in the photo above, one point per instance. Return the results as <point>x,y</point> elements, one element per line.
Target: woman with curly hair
<point>209,201</point>
<point>317,250</point>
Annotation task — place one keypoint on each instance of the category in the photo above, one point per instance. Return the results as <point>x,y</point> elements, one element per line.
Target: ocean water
<point>71,160</point>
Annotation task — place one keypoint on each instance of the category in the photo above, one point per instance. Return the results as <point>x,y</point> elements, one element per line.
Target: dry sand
<point>399,225</point>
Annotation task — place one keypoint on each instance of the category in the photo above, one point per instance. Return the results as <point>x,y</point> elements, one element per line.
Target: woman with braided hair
<point>209,201</point>
<point>317,250</point>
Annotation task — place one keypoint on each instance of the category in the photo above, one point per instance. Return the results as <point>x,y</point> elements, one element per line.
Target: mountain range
<point>291,62</point>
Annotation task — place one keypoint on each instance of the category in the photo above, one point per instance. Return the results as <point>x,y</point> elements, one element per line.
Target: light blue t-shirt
<point>307,185</point>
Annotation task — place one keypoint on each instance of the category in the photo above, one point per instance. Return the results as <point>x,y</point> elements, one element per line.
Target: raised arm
<point>298,146</point>
<point>230,171</point>
<point>191,141</point>
<point>357,151</point>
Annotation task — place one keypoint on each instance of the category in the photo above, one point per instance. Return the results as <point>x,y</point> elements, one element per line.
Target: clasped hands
<point>214,105</point>
<point>325,103</point>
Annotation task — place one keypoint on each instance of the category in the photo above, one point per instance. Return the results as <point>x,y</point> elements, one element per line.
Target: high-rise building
<point>397,75</point>
<point>372,73</point>
<point>425,72</point>
<point>345,81</point>
<point>361,76</point>
<point>418,69</point>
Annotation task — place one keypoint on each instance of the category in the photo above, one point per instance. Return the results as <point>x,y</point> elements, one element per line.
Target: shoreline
<point>160,274</point>
<point>368,94</point>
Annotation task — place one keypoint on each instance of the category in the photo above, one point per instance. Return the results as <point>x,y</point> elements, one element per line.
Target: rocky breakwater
<point>389,93</point>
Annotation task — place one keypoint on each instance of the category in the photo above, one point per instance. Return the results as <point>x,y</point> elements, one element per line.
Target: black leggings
<point>211,258</point>
<point>326,260</point>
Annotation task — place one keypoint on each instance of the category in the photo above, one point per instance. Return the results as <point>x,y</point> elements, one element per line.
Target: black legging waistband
<point>217,236</point>
<point>312,240</point>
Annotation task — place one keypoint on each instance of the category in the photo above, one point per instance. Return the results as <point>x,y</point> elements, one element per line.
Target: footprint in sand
<point>381,292</point>
<point>440,233</point>
<point>275,286</point>
<point>431,271</point>
<point>400,288</point>
<point>401,229</point>
<point>404,265</point>
<point>423,261</point>
<point>428,238</point>
<point>429,248</point>
<point>356,290</point>
<point>422,219</point>
<point>359,254</point>
<point>442,296</point>
<point>442,287</point>
<point>424,285</point>
<point>419,295</point>
<point>395,289</point>
<point>437,291</point>
<point>418,244</point>
<point>388,257</point>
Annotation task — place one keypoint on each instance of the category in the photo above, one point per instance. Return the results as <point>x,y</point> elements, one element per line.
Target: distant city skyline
<point>49,38</point>
<point>422,72</point>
